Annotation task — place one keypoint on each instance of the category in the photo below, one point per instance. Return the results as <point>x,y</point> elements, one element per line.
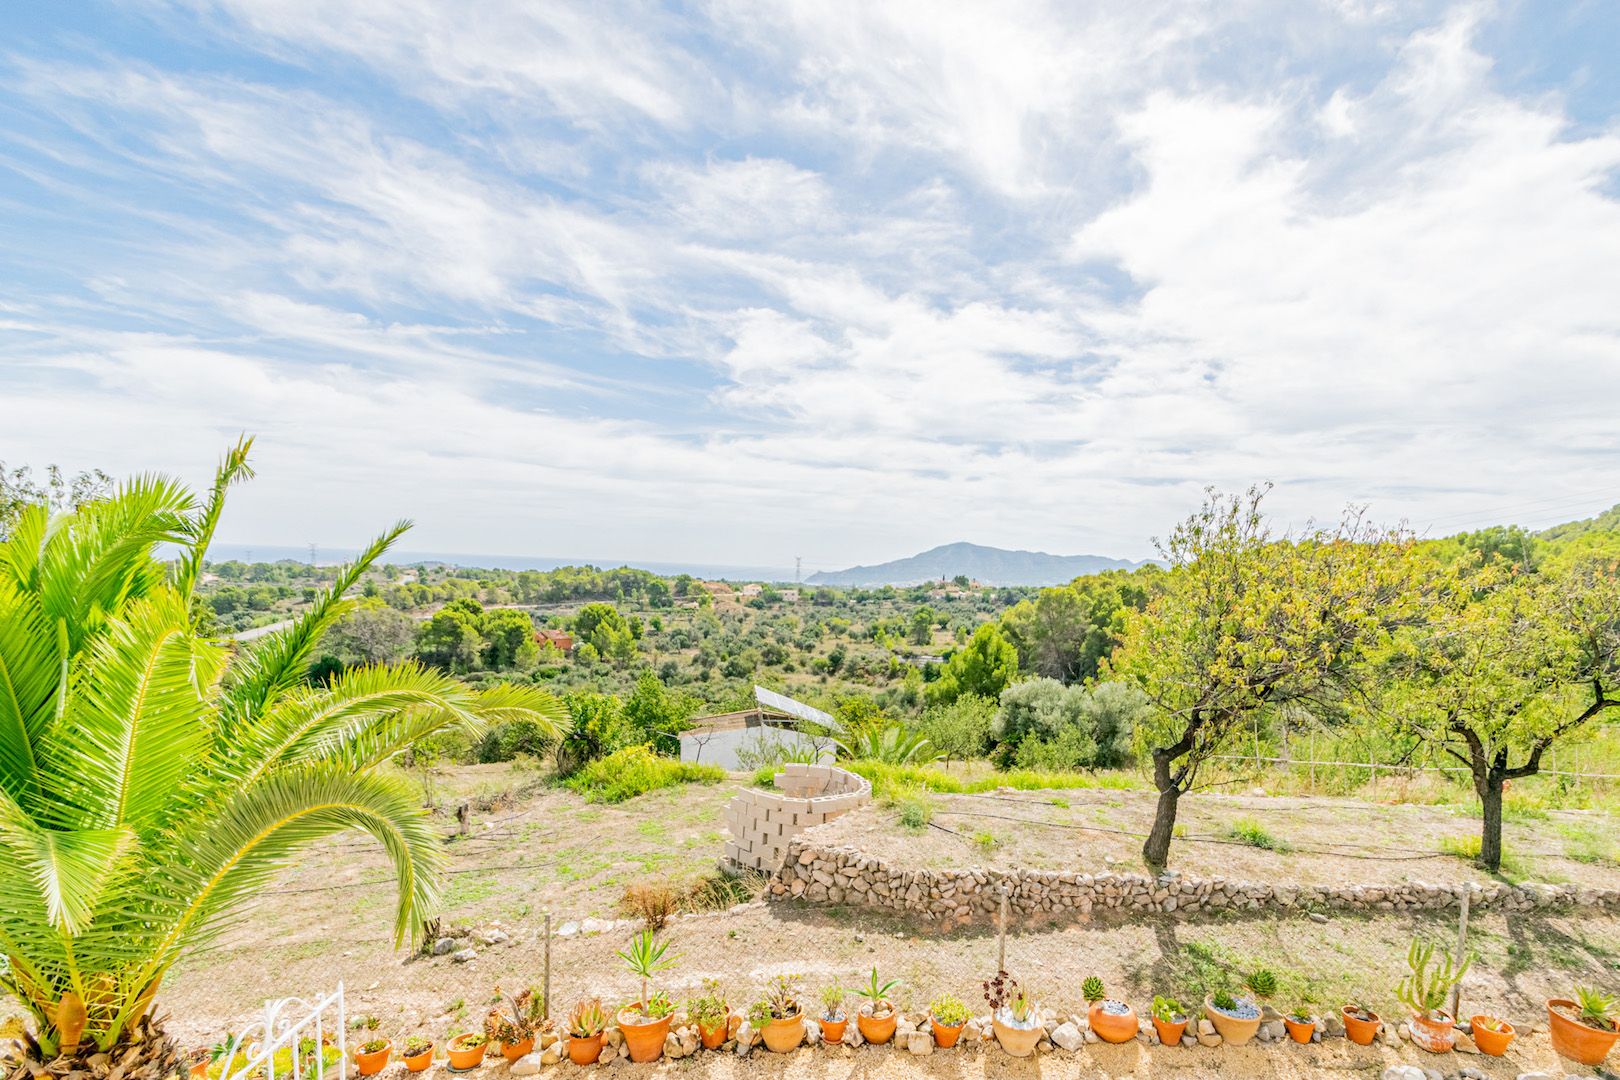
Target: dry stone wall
<point>846,875</point>
<point>763,823</point>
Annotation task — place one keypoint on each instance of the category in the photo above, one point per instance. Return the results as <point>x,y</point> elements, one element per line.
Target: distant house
<point>790,596</point>
<point>557,639</point>
<point>752,590</point>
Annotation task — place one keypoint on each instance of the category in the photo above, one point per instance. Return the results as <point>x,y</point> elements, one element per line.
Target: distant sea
<point>325,556</point>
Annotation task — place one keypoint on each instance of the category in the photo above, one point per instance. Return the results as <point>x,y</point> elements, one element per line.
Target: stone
<point>1465,1044</point>
<point>733,1023</point>
<point>1189,1041</point>
<point>462,956</point>
<point>1205,1027</point>
<point>812,1031</point>
<point>746,1034</point>
<point>1471,1073</point>
<point>444,946</point>
<point>1318,918</point>
<point>1275,1029</point>
<point>568,929</point>
<point>493,936</point>
<point>1210,1039</point>
<point>527,1065</point>
<point>1091,1036</point>
<point>551,1054</point>
<point>1068,1037</point>
<point>920,1043</point>
<point>672,1047</point>
<point>595,926</point>
<point>852,1036</point>
<point>1403,1072</point>
<point>1433,1074</point>
<point>1537,1076</point>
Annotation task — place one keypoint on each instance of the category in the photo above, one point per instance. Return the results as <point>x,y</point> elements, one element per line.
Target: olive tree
<point>1247,622</point>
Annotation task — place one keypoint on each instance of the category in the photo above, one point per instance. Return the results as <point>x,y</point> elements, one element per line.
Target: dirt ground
<point>1321,840</point>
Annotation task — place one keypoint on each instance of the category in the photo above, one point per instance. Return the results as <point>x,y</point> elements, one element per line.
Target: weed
<point>1251,832</point>
<point>653,902</point>
<point>636,770</point>
<point>916,810</point>
<point>985,840</point>
<point>1059,802</point>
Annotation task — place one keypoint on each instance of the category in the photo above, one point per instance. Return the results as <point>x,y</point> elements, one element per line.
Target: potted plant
<point>1491,1034</point>
<point>947,1015</point>
<point>1169,1019</point>
<point>1425,993</point>
<point>877,1018</point>
<point>1013,1016</point>
<point>1361,1024</point>
<point>1301,1023</point>
<point>417,1052</point>
<point>586,1024</point>
<point>1112,1020</point>
<point>1583,1030</point>
<point>777,1016</point>
<point>710,1013</point>
<point>466,1051</point>
<point>833,1019</point>
<point>371,1055</point>
<point>511,1024</point>
<point>645,1023</point>
<point>1235,1018</point>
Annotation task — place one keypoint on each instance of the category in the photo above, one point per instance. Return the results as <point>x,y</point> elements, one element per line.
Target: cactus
<point>1092,989</point>
<point>1425,993</point>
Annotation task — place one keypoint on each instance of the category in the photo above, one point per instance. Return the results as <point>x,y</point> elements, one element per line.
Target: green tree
<point>985,666</point>
<point>657,715</point>
<point>921,628</point>
<point>450,640</point>
<point>960,729</point>
<point>151,782</point>
<point>19,490</point>
<point>371,633</point>
<point>1246,623</point>
<point>508,640</point>
<point>1049,632</point>
<point>1502,668</point>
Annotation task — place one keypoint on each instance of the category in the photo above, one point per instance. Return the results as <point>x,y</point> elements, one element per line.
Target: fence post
<point>1001,946</point>
<point>1462,947</point>
<point>546,986</point>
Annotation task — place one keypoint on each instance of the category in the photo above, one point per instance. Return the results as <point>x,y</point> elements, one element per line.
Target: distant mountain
<point>991,566</point>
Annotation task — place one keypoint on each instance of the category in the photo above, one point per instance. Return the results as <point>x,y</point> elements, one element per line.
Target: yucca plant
<point>151,781</point>
<point>1596,1009</point>
<point>645,957</point>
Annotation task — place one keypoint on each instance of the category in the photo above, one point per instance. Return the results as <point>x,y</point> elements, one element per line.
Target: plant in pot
<point>1491,1034</point>
<point>777,1016</point>
<point>710,1013</point>
<point>1361,1024</point>
<point>1300,1022</point>
<point>1112,1020</point>
<point>947,1015</point>
<point>587,1022</point>
<point>1236,1019</point>
<point>417,1052</point>
<point>1425,992</point>
<point>1169,1019</point>
<point>372,1055</point>
<point>877,1018</point>
<point>1583,1030</point>
<point>1014,1018</point>
<point>466,1051</point>
<point>833,1019</point>
<point>513,1022</point>
<point>645,1023</point>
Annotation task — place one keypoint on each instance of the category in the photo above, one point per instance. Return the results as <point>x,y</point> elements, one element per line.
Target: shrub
<point>949,1010</point>
<point>653,902</point>
<point>916,811</point>
<point>636,770</point>
<point>1251,832</point>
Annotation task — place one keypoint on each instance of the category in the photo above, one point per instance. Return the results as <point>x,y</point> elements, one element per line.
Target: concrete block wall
<point>763,823</point>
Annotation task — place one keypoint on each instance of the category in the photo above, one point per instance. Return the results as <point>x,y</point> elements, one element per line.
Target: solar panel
<point>781,703</point>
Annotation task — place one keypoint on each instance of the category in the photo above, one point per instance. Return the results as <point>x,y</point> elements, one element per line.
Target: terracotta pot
<point>832,1031</point>
<point>877,1030</point>
<point>1437,1036</point>
<point>1112,1027</point>
<point>1359,1031</point>
<point>714,1037</point>
<point>466,1057</point>
<point>513,1051</point>
<point>420,1062</point>
<point>945,1036</point>
<point>199,1069</point>
<point>645,1038</point>
<point>784,1035</point>
<point>371,1064</point>
<point>1019,1042</point>
<point>1299,1030</point>
<point>1573,1039</point>
<point>585,1051</point>
<point>1232,1030</point>
<point>1170,1031</point>
<point>1494,1043</point>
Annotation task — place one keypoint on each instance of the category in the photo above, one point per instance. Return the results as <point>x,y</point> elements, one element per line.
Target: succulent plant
<point>1092,989</point>
<point>1262,983</point>
<point>1596,1007</point>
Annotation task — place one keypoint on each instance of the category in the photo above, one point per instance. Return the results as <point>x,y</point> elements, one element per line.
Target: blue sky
<point>730,283</point>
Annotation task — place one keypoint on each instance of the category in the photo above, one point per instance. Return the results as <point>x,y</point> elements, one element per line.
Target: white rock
<point>527,1065</point>
<point>1068,1037</point>
<point>1403,1072</point>
<point>462,956</point>
<point>920,1043</point>
<point>551,1054</point>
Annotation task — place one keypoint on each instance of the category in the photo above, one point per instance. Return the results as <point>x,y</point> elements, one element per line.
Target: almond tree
<point>1245,623</point>
<point>151,781</point>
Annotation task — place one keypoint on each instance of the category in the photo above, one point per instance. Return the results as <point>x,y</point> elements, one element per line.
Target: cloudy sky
<point>733,282</point>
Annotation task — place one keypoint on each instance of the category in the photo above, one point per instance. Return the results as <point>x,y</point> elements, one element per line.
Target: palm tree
<point>151,780</point>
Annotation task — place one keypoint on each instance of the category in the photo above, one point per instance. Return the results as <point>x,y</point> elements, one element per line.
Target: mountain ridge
<point>988,565</point>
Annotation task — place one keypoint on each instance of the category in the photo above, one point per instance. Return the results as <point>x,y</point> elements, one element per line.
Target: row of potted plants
<point>1583,1029</point>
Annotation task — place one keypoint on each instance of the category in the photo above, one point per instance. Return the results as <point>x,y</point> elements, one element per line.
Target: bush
<point>1251,832</point>
<point>916,810</point>
<point>506,741</point>
<point>636,770</point>
<point>653,902</point>
<point>888,781</point>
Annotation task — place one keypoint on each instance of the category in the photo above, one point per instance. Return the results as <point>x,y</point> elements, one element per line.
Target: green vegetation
<point>153,781</point>
<point>889,779</point>
<point>636,770</point>
<point>916,810</point>
<point>1251,832</point>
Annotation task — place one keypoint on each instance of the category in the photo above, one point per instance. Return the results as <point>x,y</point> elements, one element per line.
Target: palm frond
<point>31,670</point>
<point>200,529</point>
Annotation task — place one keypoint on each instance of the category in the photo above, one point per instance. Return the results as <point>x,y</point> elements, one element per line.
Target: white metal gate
<point>287,1023</point>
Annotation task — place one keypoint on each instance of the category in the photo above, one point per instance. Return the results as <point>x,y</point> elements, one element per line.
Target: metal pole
<point>546,988</point>
<point>1001,948</point>
<point>1462,950</point>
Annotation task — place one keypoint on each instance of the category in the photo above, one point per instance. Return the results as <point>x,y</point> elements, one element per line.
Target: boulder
<point>463,956</point>
<point>920,1043</point>
<point>1068,1037</point>
<point>527,1065</point>
<point>444,946</point>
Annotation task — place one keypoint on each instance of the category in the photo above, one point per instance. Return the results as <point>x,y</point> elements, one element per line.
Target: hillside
<point>1608,521</point>
<point>991,566</point>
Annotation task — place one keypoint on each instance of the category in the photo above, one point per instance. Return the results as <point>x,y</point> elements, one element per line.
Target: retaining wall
<point>846,875</point>
<point>763,823</point>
